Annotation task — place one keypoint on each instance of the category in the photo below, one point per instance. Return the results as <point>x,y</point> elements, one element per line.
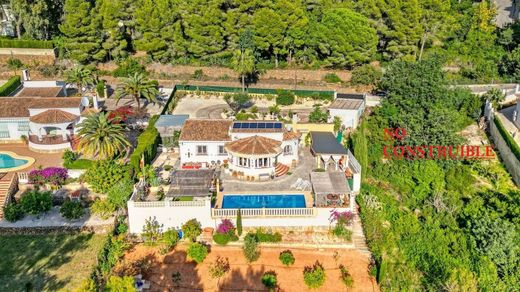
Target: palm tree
<point>81,77</point>
<point>243,63</point>
<point>495,96</point>
<point>137,86</point>
<point>101,137</point>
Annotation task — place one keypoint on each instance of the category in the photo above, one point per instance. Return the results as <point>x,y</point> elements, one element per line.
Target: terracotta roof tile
<point>41,92</point>
<point>53,116</point>
<point>89,111</point>
<point>18,107</point>
<point>205,130</point>
<point>290,135</point>
<point>254,145</point>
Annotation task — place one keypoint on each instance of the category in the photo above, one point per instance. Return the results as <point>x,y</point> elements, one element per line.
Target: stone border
<point>43,230</point>
<point>30,161</point>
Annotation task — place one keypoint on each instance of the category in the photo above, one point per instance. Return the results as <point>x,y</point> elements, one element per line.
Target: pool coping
<point>30,161</point>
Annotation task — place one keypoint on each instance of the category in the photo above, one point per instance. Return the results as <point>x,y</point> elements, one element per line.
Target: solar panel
<point>253,125</point>
<point>237,125</point>
<point>269,125</point>
<point>261,125</point>
<point>245,125</point>
<point>278,125</point>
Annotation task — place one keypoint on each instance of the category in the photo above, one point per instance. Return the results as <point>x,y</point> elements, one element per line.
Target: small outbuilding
<point>348,107</point>
<point>331,189</point>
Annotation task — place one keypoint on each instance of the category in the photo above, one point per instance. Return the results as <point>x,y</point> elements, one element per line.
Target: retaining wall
<point>509,159</point>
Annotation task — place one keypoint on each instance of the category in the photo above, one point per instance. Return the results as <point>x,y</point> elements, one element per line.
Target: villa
<point>250,150</point>
<point>43,115</point>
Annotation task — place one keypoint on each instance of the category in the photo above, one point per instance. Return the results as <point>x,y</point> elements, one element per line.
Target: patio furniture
<point>297,183</point>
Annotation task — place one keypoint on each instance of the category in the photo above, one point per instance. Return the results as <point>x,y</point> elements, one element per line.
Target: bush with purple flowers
<point>342,221</point>
<point>225,232</point>
<point>55,176</point>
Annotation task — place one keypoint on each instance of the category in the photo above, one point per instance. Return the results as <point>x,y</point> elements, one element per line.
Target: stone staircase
<point>6,182</point>
<point>281,169</point>
<point>358,237</point>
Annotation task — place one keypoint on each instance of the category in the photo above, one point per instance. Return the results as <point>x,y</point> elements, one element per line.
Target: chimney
<point>95,101</point>
<point>25,75</point>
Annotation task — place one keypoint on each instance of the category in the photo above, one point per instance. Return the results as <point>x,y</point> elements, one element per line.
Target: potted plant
<point>24,139</point>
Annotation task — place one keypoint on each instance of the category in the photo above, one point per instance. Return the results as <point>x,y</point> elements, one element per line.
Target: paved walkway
<point>53,219</point>
<point>506,12</point>
<point>305,166</point>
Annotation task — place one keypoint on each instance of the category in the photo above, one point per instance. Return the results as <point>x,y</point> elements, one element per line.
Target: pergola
<point>328,150</point>
<point>54,119</point>
<point>330,188</point>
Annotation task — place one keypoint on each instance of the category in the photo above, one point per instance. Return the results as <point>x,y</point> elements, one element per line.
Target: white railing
<point>264,212</point>
<point>168,204</point>
<point>23,177</point>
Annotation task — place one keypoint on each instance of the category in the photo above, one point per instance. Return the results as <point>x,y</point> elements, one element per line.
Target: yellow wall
<point>304,129</point>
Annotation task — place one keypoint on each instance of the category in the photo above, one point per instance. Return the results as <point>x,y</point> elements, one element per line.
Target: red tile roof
<point>205,130</point>
<point>53,116</point>
<point>18,107</point>
<point>254,145</point>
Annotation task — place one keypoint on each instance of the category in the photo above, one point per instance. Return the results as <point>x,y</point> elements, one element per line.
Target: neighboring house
<point>7,21</point>
<point>349,108</point>
<point>253,150</point>
<point>44,116</point>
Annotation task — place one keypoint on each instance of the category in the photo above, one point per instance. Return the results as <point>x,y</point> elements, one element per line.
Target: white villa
<point>251,150</point>
<point>42,114</point>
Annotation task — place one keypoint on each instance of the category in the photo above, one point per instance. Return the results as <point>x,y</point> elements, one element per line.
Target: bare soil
<point>247,277</point>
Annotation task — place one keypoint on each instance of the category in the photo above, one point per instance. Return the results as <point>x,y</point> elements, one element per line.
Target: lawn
<point>47,262</point>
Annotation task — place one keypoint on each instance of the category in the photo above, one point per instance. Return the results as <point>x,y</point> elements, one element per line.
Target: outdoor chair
<point>297,183</point>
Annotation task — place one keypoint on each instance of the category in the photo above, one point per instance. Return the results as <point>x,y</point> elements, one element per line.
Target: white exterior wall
<point>256,172</point>
<point>175,216</point>
<point>43,83</point>
<point>287,159</point>
<point>50,147</point>
<point>11,126</point>
<point>349,118</point>
<point>188,151</point>
<point>274,136</point>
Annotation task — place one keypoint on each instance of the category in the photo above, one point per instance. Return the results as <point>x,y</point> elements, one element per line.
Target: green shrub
<point>224,238</point>
<point>31,44</point>
<point>191,229</point>
<point>100,88</point>
<point>102,208</point>
<point>128,67</point>
<point>71,210</point>
<point>269,280</point>
<point>151,231</point>
<point>198,74</point>
<point>197,252</point>
<point>35,202</point>
<point>14,63</point>
<point>239,222</point>
<point>287,257</point>
<point>285,97</point>
<point>120,284</point>
<point>170,238</point>
<point>342,232</point>
<point>69,157</point>
<point>314,276</point>
<point>79,164</point>
<point>122,228</point>
<point>263,236</point>
<point>168,167</point>
<point>104,174</point>
<point>365,75</point>
<point>507,137</point>
<point>13,212</point>
<point>250,248</point>
<point>119,193</point>
<point>332,78</point>
<point>10,86</point>
<point>346,278</point>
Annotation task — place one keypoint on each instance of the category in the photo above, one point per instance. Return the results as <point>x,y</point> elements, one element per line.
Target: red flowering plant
<point>121,114</point>
<point>226,226</point>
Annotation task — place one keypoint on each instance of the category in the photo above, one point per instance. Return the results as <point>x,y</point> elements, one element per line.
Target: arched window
<point>287,150</point>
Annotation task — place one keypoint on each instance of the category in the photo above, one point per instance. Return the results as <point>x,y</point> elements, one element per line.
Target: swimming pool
<point>8,161</point>
<point>252,201</point>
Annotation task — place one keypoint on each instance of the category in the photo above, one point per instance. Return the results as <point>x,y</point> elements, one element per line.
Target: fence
<point>264,212</point>
<point>325,94</point>
<point>167,204</point>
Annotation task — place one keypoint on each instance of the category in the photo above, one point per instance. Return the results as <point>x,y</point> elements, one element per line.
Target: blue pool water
<point>263,201</point>
<point>6,161</point>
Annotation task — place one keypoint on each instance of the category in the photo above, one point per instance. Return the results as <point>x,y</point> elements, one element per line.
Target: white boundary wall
<point>174,214</point>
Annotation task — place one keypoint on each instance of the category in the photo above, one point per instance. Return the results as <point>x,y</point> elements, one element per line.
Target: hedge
<point>30,44</point>
<point>507,137</point>
<point>10,86</point>
<point>147,144</point>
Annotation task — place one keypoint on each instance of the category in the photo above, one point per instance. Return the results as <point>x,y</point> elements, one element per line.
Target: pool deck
<point>40,159</point>
<point>309,200</point>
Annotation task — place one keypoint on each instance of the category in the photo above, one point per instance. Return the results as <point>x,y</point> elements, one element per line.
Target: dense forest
<point>305,33</point>
<point>435,225</point>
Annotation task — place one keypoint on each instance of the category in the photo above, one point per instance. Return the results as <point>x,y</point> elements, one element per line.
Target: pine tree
<point>82,34</point>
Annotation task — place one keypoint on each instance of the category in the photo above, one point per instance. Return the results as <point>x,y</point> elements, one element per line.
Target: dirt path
<point>247,277</point>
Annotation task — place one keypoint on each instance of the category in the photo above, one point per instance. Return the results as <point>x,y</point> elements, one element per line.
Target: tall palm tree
<point>137,86</point>
<point>100,136</point>
<point>81,77</point>
<point>243,62</point>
